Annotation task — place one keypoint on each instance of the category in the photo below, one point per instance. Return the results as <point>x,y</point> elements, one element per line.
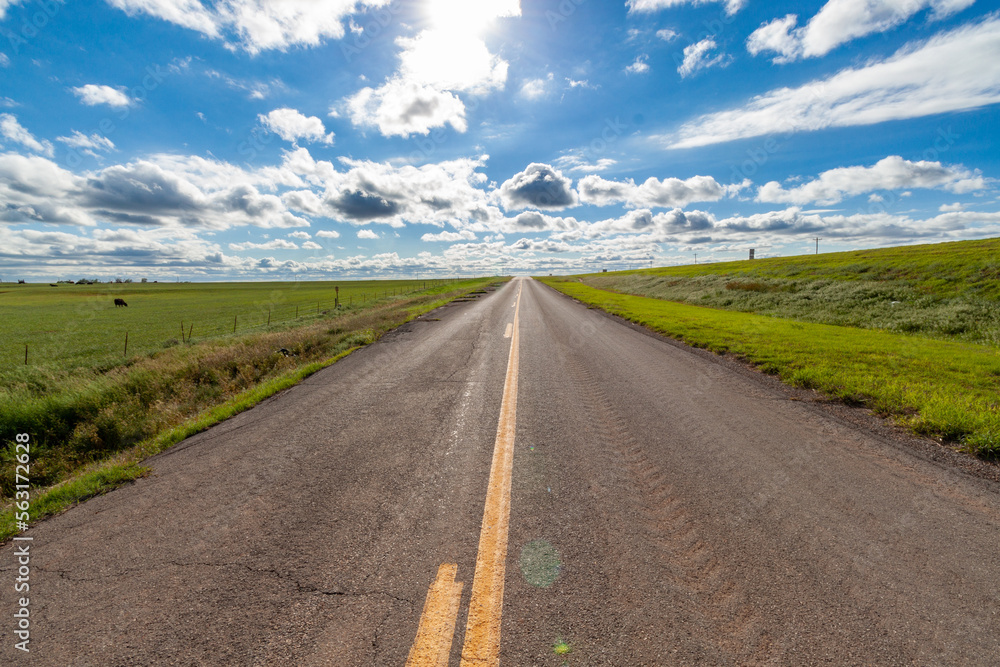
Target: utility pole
<point>817,244</point>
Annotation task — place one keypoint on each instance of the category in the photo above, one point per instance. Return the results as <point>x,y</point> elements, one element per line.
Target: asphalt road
<point>664,509</point>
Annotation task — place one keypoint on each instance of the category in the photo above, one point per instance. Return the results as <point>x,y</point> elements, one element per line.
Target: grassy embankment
<point>95,416</point>
<point>829,322</point>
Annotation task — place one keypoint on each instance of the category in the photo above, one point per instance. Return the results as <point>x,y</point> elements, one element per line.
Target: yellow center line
<point>482,633</point>
<point>432,646</point>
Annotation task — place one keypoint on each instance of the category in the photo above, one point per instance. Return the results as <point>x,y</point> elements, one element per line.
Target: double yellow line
<point>437,622</point>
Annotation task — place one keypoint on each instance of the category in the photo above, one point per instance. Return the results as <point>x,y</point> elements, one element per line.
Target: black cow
<point>120,302</point>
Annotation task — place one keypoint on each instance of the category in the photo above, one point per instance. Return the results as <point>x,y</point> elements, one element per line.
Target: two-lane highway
<point>644,505</point>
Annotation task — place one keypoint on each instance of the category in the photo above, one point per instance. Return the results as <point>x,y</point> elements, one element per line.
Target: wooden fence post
<point>125,354</point>
<point>234,322</point>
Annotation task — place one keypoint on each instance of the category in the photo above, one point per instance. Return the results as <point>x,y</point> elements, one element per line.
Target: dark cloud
<point>142,187</point>
<point>361,206</point>
<point>538,186</point>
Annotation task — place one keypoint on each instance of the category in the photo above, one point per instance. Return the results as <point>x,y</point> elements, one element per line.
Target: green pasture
<point>73,325</point>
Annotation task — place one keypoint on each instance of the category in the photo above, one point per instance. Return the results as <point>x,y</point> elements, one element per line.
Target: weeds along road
<point>663,509</point>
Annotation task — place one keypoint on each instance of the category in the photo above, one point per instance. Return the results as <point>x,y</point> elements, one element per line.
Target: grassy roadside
<point>940,388</point>
<point>91,430</point>
<point>949,291</point>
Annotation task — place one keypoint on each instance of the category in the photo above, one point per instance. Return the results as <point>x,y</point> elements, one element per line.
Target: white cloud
<point>4,4</point>
<point>401,108</point>
<point>580,163</point>
<point>4,58</point>
<point>256,25</point>
<point>367,234</point>
<point>254,89</point>
<point>776,36</point>
<point>311,245</point>
<point>840,21</point>
<point>698,56</point>
<point>160,191</point>
<point>732,6</point>
<point>538,186</point>
<point>670,192</point>
<point>450,60</point>
<point>328,234</point>
<point>276,244</point>
<point>304,236</point>
<point>890,173</point>
<point>464,235</point>
<point>291,125</point>
<point>93,94</point>
<point>640,66</point>
<point>951,208</point>
<point>536,88</point>
<point>952,71</point>
<point>88,145</point>
<point>667,34</point>
<point>12,130</point>
<point>446,58</point>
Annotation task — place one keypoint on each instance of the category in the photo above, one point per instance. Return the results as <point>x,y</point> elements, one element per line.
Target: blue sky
<point>251,139</point>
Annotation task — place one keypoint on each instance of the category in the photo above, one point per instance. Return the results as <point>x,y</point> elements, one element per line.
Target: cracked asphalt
<point>667,507</point>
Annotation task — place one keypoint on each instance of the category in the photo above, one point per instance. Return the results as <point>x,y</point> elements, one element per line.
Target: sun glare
<point>469,16</point>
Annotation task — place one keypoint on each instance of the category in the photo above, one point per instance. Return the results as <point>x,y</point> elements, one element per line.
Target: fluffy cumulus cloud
<point>161,191</point>
<point>12,130</point>
<point>438,194</point>
<point>652,193</point>
<point>840,21</point>
<point>367,234</point>
<point>447,58</point>
<point>890,173</point>
<point>638,6</point>
<point>953,71</point>
<point>256,25</point>
<point>291,125</point>
<point>401,108</point>
<point>699,56</point>
<point>93,94</point>
<point>538,186</point>
<point>639,66</point>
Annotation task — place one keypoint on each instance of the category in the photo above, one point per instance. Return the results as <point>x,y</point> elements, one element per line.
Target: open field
<point>106,417</point>
<point>78,325</point>
<point>947,290</point>
<point>946,389</point>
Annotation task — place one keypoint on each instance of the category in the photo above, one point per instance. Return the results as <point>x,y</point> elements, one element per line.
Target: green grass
<point>947,291</point>
<point>72,325</point>
<point>947,389</point>
<point>91,427</point>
